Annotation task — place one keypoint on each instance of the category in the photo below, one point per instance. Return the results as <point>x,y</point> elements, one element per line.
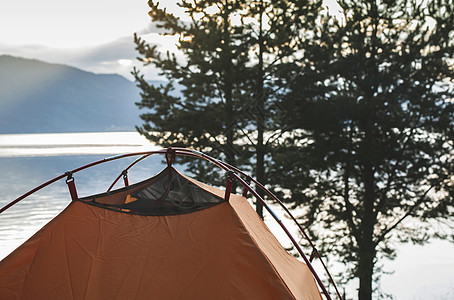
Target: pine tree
<point>212,78</point>
<point>235,55</point>
<point>373,138</point>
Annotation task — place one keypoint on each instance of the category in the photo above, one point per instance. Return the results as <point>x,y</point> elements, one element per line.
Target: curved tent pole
<point>294,242</point>
<point>107,159</point>
<point>15,201</point>
<point>127,169</point>
<point>224,166</point>
<point>231,170</point>
<point>287,211</point>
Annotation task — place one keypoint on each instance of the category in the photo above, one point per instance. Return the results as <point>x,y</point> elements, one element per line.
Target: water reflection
<point>22,174</point>
<point>45,156</point>
<point>52,144</point>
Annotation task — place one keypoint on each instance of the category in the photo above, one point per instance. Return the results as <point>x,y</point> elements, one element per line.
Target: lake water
<point>421,272</point>
<point>28,160</point>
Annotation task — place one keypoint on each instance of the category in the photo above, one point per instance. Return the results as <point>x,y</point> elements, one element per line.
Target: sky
<point>94,35</point>
<point>97,36</point>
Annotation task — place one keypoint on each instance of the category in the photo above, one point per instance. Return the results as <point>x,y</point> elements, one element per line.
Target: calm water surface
<point>26,161</point>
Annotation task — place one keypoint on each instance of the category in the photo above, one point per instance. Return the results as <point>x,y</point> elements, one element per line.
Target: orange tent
<point>169,237</point>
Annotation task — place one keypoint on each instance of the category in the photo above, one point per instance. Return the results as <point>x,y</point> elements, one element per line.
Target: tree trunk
<point>366,270</point>
<point>260,171</point>
<point>260,118</point>
<point>229,150</point>
<point>366,244</point>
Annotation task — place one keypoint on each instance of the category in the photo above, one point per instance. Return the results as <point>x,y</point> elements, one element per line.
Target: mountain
<point>38,97</point>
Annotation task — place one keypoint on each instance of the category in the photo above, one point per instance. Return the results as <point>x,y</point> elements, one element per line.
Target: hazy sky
<point>63,23</point>
<point>95,35</point>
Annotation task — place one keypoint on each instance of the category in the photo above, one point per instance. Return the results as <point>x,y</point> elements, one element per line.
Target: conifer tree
<point>371,158</point>
<point>235,53</point>
<point>212,80</point>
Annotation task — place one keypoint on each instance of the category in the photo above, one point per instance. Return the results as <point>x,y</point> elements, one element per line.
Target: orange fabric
<point>293,272</point>
<point>222,252</point>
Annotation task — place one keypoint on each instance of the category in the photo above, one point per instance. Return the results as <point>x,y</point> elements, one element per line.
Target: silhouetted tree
<point>211,78</point>
<point>234,54</point>
<point>371,156</point>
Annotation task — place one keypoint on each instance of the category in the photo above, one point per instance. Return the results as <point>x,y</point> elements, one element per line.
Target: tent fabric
<point>223,251</point>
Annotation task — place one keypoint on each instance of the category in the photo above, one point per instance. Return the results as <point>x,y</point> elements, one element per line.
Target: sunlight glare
<point>125,62</point>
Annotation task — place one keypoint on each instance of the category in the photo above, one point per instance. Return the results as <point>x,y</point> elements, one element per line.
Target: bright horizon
<point>93,35</point>
<point>96,36</point>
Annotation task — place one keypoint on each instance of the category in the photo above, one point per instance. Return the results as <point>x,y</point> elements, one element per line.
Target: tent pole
<point>295,243</point>
<point>170,155</point>
<point>314,249</point>
<point>107,159</point>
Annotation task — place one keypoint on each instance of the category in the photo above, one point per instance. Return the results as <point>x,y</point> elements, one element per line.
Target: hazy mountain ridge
<point>38,97</point>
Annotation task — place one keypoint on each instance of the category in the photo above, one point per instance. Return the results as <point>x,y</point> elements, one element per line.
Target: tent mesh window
<point>168,193</point>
